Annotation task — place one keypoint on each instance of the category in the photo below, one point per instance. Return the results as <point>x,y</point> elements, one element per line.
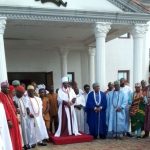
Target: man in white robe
<point>79,108</point>
<point>108,97</point>
<point>37,124</point>
<point>118,103</point>
<point>66,112</point>
<point>5,140</point>
<point>128,94</point>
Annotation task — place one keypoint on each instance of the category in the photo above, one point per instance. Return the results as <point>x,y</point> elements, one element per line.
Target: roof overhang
<point>24,13</point>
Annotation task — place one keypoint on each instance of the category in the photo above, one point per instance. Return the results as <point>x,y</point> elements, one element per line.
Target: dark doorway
<point>27,77</point>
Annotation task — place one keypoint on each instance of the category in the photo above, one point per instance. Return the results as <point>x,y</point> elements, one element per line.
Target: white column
<point>138,32</point>
<point>91,65</point>
<point>64,54</point>
<point>3,69</point>
<point>101,30</point>
<point>146,55</point>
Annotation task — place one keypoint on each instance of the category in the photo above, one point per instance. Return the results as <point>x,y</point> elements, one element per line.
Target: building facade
<point>43,42</point>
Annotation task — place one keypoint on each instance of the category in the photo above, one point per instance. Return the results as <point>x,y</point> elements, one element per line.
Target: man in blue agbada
<point>96,112</point>
<point>116,112</point>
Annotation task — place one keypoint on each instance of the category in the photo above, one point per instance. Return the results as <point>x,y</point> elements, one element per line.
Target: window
<point>71,77</point>
<point>123,74</point>
<point>125,36</point>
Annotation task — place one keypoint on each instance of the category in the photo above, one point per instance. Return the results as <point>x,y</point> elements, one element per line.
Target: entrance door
<point>49,79</point>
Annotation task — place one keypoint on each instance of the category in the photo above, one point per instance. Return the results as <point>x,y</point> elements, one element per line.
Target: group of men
<point>26,115</point>
<point>115,113</point>
<point>29,115</point>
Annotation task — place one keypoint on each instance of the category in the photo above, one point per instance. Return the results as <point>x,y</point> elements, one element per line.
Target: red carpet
<point>71,139</point>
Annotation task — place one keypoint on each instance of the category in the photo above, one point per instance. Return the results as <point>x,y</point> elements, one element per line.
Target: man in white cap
<point>37,124</point>
<point>66,112</point>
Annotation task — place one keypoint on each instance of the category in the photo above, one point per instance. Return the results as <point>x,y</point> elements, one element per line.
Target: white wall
<point>74,65</point>
<point>119,56</point>
<point>92,5</point>
<point>43,61</point>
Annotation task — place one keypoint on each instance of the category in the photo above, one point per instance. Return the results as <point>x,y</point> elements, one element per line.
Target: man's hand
<point>31,116</point>
<point>73,100</point>
<point>119,109</point>
<point>10,125</point>
<point>78,107</point>
<point>18,111</point>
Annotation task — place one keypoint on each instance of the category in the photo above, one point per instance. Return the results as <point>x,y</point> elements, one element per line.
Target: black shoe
<point>26,147</point>
<point>129,135</point>
<point>33,146</point>
<point>102,136</point>
<point>138,137</point>
<point>42,144</point>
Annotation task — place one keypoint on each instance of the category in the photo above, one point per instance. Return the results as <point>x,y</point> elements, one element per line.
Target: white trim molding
<point>39,14</point>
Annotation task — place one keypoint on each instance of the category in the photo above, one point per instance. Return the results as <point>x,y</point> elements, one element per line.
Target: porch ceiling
<point>35,35</point>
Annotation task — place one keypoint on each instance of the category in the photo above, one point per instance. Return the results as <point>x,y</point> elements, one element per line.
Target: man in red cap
<point>11,116</point>
<point>21,103</point>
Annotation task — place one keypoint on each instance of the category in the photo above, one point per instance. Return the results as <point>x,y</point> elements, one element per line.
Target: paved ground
<point>125,144</point>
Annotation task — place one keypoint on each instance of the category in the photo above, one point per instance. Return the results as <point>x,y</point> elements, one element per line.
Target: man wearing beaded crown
<point>37,124</point>
<point>96,112</point>
<point>66,112</point>
<point>11,116</point>
<point>118,103</point>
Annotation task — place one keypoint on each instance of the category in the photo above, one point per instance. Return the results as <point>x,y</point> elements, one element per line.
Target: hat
<point>20,89</point>
<point>41,86</point>
<point>64,79</point>
<point>116,82</point>
<point>122,79</point>
<point>5,83</point>
<point>16,82</point>
<point>137,85</point>
<point>30,87</point>
<point>11,88</point>
<point>110,83</point>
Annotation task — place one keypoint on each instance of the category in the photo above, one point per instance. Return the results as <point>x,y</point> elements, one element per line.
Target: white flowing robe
<point>116,122</point>
<point>62,96</point>
<point>37,124</point>
<point>108,97</point>
<point>25,126</point>
<point>128,94</point>
<point>80,113</point>
<point>5,140</point>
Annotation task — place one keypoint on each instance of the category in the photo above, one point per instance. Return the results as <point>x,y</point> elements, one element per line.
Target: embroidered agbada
<point>5,140</point>
<point>25,126</point>
<point>37,124</point>
<point>67,116</point>
<point>96,120</point>
<point>116,122</point>
<point>137,111</point>
<point>147,111</point>
<point>80,112</point>
<point>11,116</point>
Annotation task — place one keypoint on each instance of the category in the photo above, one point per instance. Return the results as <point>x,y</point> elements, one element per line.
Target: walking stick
<point>98,123</point>
<point>116,126</point>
